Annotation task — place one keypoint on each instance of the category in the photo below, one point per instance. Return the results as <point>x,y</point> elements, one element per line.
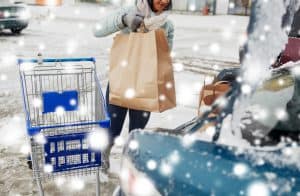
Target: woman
<point>129,19</point>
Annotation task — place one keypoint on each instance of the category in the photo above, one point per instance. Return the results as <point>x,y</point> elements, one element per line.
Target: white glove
<point>155,22</point>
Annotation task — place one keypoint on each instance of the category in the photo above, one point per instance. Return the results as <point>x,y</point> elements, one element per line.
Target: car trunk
<point>9,12</point>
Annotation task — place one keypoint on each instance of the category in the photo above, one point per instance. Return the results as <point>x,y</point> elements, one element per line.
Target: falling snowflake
<point>52,16</point>
<point>129,93</point>
<point>3,77</point>
<point>37,103</point>
<point>169,85</point>
<point>124,63</point>
<point>287,151</point>
<point>173,54</point>
<point>145,114</point>
<point>162,97</point>
<point>73,102</point>
<point>258,189</point>
<point>192,7</point>
<point>133,144</point>
<point>151,165</point>
<point>222,101</point>
<point>188,175</point>
<point>98,27</point>
<point>281,114</point>
<point>227,34</point>
<point>246,89</point>
<point>240,169</point>
<point>48,168</point>
<point>21,42</point>
<point>98,139</point>
<point>166,169</point>
<point>195,47</point>
<point>178,67</point>
<point>209,164</point>
<point>77,11</point>
<point>262,38</point>
<point>214,48</point>
<point>174,157</point>
<point>188,140</point>
<point>40,139</point>
<point>41,47</point>
<point>60,111</point>
<point>233,22</point>
<point>267,28</point>
<point>119,141</point>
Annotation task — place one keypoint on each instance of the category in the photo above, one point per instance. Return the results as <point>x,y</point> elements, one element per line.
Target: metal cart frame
<point>63,103</point>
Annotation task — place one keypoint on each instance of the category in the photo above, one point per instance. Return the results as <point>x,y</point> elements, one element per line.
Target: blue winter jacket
<point>113,23</point>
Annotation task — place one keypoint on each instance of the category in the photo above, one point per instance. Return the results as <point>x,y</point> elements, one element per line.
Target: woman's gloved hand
<point>133,20</point>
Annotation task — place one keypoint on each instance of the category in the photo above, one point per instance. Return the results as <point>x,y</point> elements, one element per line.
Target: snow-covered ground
<point>66,32</point>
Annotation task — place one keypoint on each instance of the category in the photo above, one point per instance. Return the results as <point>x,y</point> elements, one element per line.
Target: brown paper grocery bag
<point>141,72</point>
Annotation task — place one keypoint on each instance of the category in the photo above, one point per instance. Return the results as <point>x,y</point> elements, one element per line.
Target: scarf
<point>151,20</point>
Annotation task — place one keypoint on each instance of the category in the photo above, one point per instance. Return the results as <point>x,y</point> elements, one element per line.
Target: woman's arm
<point>111,23</point>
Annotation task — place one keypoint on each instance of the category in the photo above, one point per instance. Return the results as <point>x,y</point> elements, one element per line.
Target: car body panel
<point>12,16</point>
<point>207,168</point>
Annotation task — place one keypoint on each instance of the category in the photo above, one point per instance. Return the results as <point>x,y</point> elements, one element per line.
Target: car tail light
<point>6,14</point>
<point>135,183</point>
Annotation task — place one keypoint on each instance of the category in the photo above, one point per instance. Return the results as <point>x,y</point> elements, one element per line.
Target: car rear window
<point>12,9</point>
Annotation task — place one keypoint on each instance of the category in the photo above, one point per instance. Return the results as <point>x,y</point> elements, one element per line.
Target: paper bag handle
<point>142,28</point>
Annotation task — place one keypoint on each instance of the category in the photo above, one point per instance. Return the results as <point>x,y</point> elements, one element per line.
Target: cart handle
<point>35,130</point>
<point>55,60</point>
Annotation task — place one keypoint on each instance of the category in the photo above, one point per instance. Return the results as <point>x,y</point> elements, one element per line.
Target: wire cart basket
<point>63,103</point>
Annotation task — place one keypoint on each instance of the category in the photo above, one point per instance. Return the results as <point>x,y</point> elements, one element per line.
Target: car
<point>163,165</point>
<point>263,161</point>
<point>14,16</point>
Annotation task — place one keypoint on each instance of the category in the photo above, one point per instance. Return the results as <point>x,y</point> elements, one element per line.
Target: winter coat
<point>113,23</point>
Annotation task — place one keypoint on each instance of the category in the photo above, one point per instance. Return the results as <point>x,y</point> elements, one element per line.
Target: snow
<point>67,32</point>
<point>258,189</point>
<point>262,50</point>
<point>98,139</point>
<point>240,169</point>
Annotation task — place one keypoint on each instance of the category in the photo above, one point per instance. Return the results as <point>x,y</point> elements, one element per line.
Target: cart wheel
<point>16,31</point>
<point>29,164</point>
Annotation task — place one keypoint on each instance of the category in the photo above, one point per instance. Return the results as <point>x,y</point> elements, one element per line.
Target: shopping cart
<point>63,103</point>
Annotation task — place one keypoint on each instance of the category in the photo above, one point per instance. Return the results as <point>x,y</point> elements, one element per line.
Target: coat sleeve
<point>111,23</point>
<point>170,36</point>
